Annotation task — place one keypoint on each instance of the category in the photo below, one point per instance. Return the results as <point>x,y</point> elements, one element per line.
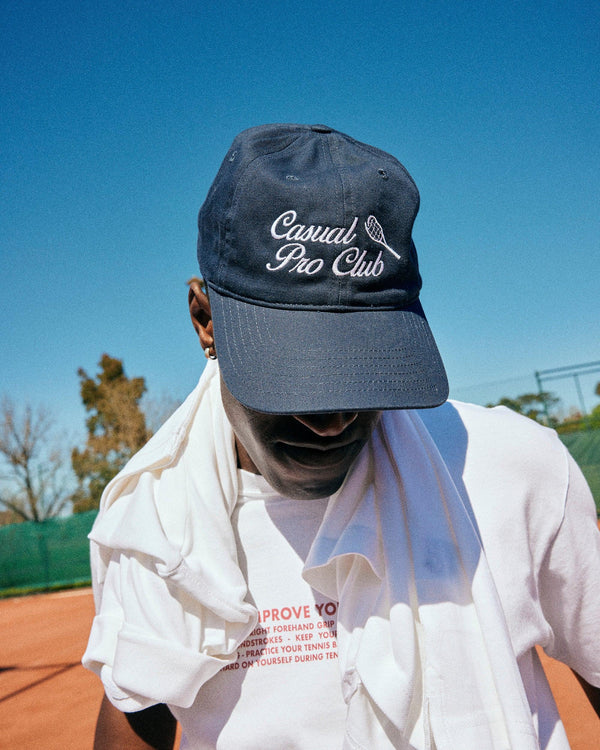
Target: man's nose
<point>327,425</point>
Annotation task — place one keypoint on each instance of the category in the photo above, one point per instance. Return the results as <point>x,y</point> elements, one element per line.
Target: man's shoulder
<point>482,425</point>
<point>512,471</point>
<point>496,441</point>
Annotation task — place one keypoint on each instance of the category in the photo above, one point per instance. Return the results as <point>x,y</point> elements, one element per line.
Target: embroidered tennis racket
<point>375,232</point>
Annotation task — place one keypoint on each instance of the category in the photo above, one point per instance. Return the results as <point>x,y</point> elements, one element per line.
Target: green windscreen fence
<point>47,555</point>
<point>584,446</point>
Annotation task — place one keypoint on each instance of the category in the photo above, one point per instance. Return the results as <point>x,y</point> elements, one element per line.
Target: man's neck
<point>243,459</point>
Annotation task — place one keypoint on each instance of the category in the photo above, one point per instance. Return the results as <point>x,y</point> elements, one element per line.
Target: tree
<point>594,418</point>
<point>158,410</point>
<point>34,472</point>
<point>116,429</point>
<point>532,405</point>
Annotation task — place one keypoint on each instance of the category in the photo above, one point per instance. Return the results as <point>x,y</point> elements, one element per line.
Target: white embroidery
<point>375,232</point>
<point>357,265</point>
<point>312,233</point>
<point>352,261</point>
<point>294,251</point>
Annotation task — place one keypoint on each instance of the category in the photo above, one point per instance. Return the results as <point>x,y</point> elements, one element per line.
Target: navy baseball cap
<point>305,245</point>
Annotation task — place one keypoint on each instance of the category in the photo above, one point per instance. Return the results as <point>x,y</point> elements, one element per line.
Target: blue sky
<point>114,117</point>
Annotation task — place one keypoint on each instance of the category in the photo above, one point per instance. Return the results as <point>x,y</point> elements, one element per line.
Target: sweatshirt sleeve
<point>151,642</point>
<point>570,582</point>
<point>165,622</point>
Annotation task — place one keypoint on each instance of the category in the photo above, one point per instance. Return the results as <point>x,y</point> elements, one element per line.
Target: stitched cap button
<point>320,128</point>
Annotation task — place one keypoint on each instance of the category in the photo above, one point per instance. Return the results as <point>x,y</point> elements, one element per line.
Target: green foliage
<point>532,405</point>
<point>594,417</point>
<point>116,429</point>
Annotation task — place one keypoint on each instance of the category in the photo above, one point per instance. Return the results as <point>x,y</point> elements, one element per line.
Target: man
<point>317,550</point>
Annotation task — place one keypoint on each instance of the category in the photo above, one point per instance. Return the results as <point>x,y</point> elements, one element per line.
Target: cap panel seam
<point>384,156</point>
<point>228,211</point>
<point>330,141</point>
<point>345,194</point>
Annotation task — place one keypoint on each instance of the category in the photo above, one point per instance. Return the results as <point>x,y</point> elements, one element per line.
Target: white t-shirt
<point>536,520</point>
<point>283,691</point>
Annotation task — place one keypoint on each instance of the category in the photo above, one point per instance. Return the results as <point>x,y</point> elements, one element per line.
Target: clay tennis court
<point>47,699</point>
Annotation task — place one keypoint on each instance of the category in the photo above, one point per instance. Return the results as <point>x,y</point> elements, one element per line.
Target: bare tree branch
<point>34,473</point>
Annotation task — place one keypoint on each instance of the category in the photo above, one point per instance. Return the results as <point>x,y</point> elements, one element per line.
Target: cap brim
<point>301,361</point>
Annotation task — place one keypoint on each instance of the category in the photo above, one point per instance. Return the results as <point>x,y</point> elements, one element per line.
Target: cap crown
<point>306,217</point>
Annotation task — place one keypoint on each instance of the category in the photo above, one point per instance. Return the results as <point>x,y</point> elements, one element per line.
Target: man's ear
<point>200,314</point>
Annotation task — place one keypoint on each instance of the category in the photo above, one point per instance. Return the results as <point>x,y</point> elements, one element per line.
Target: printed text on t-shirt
<point>290,634</point>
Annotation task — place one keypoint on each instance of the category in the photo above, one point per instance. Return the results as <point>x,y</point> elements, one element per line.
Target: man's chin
<point>310,490</point>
